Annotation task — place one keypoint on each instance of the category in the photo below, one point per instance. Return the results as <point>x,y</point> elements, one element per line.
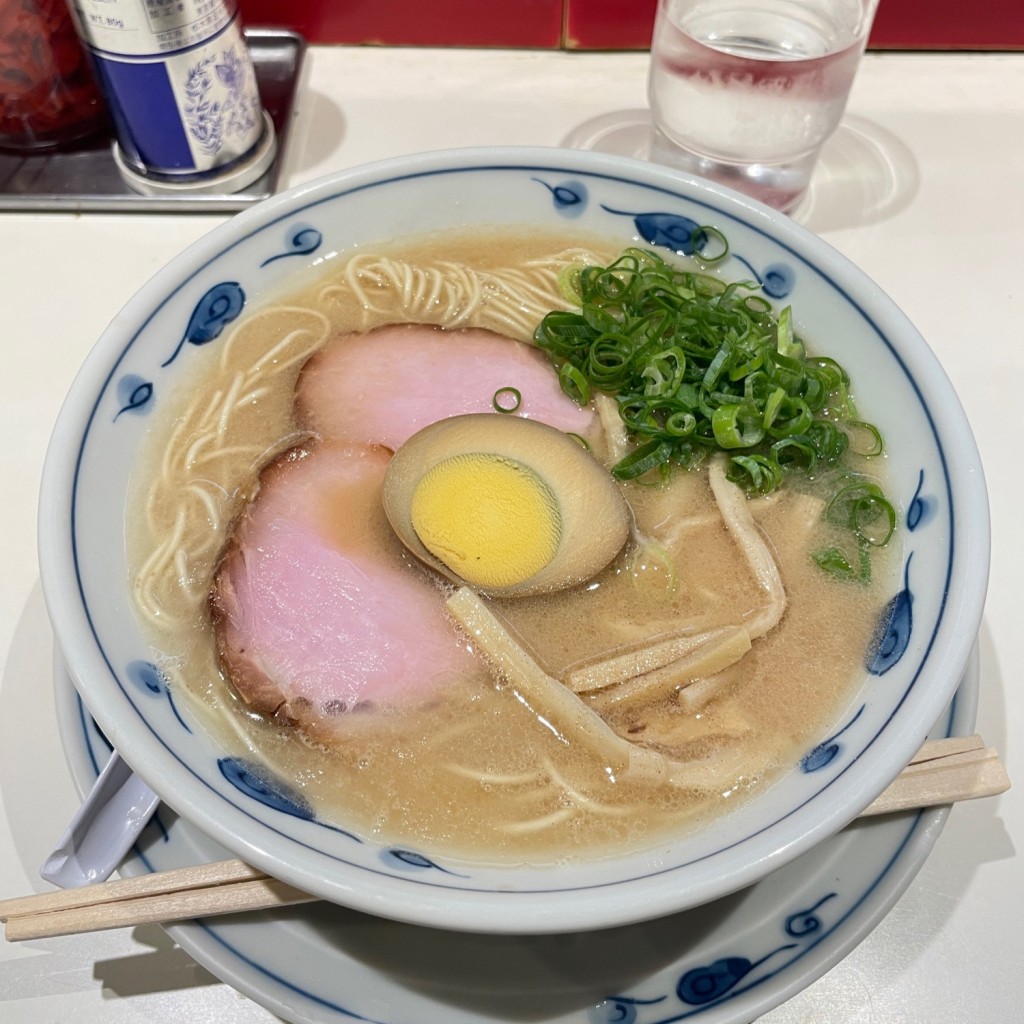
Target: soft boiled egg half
<point>504,504</point>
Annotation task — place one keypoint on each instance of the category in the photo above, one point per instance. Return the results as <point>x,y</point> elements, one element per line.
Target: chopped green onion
<point>797,450</point>
<point>865,438</point>
<point>716,367</point>
<point>696,364</point>
<point>829,441</point>
<point>835,563</point>
<point>793,417</point>
<point>507,399</point>
<point>756,472</point>
<point>862,507</point>
<point>642,460</point>
<point>772,406</point>
<point>709,234</point>
<point>680,423</point>
<point>664,372</point>
<point>565,333</point>
<point>569,284</point>
<point>574,384</point>
<point>737,425</point>
<point>785,341</point>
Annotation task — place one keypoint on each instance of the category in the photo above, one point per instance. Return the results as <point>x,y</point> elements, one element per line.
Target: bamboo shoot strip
<point>546,697</point>
<point>735,509</point>
<point>701,692</point>
<point>719,651</point>
<point>572,721</point>
<point>655,654</point>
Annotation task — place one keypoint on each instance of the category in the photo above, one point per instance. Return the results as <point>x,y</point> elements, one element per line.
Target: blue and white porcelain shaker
<point>182,91</point>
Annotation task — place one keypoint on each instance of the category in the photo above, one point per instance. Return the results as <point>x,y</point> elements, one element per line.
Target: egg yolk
<point>490,519</point>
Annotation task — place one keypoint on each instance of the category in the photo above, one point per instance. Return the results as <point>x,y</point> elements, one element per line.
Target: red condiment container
<point>48,96</point>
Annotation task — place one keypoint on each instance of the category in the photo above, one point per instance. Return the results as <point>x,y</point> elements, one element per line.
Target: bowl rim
<point>533,911</point>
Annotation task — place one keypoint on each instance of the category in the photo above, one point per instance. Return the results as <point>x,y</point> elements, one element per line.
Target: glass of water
<point>745,92</point>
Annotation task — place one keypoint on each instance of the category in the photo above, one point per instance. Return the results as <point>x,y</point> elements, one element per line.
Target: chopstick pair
<point>942,772</point>
<point>224,887</point>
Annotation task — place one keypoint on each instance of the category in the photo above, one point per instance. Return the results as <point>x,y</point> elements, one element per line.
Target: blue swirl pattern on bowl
<point>222,304</point>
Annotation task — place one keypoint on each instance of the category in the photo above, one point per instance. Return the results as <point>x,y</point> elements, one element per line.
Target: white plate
<point>724,963</point>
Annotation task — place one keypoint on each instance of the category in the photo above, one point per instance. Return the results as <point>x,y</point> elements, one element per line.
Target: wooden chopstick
<point>181,904</point>
<point>942,772</point>
<point>177,895</point>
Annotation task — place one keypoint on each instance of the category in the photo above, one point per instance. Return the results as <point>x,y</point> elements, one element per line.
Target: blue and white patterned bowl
<point>935,472</point>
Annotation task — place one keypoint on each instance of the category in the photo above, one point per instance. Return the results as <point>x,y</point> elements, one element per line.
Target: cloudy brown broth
<point>478,773</point>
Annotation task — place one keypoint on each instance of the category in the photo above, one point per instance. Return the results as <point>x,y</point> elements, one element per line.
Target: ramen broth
<point>479,773</point>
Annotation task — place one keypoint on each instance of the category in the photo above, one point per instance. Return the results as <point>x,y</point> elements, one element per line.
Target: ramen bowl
<point>911,670</point>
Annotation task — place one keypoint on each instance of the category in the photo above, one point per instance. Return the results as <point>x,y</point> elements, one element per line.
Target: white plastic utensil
<point>105,828</point>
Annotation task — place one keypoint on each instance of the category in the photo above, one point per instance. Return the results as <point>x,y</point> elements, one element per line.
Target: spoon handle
<point>105,828</point>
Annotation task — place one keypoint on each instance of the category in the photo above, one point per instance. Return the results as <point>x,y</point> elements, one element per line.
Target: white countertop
<point>921,187</point>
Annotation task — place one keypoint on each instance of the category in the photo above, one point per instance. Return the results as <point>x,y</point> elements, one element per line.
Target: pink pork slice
<point>383,386</point>
<point>316,616</point>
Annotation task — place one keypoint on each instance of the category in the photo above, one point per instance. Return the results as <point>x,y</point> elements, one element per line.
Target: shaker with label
<point>180,84</point>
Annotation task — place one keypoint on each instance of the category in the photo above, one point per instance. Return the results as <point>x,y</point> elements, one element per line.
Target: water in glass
<point>747,92</point>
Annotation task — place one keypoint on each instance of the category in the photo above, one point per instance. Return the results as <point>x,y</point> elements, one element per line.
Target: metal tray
<point>87,178</point>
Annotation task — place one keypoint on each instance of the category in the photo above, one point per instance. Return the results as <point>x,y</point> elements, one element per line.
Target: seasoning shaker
<point>180,84</point>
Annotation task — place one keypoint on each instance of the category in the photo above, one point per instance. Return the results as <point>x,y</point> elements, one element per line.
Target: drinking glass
<point>745,92</point>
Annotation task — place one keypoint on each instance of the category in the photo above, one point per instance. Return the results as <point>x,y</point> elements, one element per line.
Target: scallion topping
<point>865,438</point>
<point>865,511</point>
<point>835,563</point>
<point>696,365</point>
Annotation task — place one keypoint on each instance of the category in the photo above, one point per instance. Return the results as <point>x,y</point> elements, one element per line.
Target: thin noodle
<point>736,512</point>
<point>537,824</point>
<point>207,499</point>
<point>580,798</point>
<point>494,779</point>
<point>228,405</point>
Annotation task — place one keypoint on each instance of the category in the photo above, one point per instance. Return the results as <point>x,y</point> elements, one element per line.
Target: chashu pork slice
<point>317,615</point>
<point>383,386</point>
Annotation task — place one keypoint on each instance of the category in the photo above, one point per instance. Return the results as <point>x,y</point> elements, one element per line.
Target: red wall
<point>509,23</point>
<point>899,24</point>
<point>605,24</point>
